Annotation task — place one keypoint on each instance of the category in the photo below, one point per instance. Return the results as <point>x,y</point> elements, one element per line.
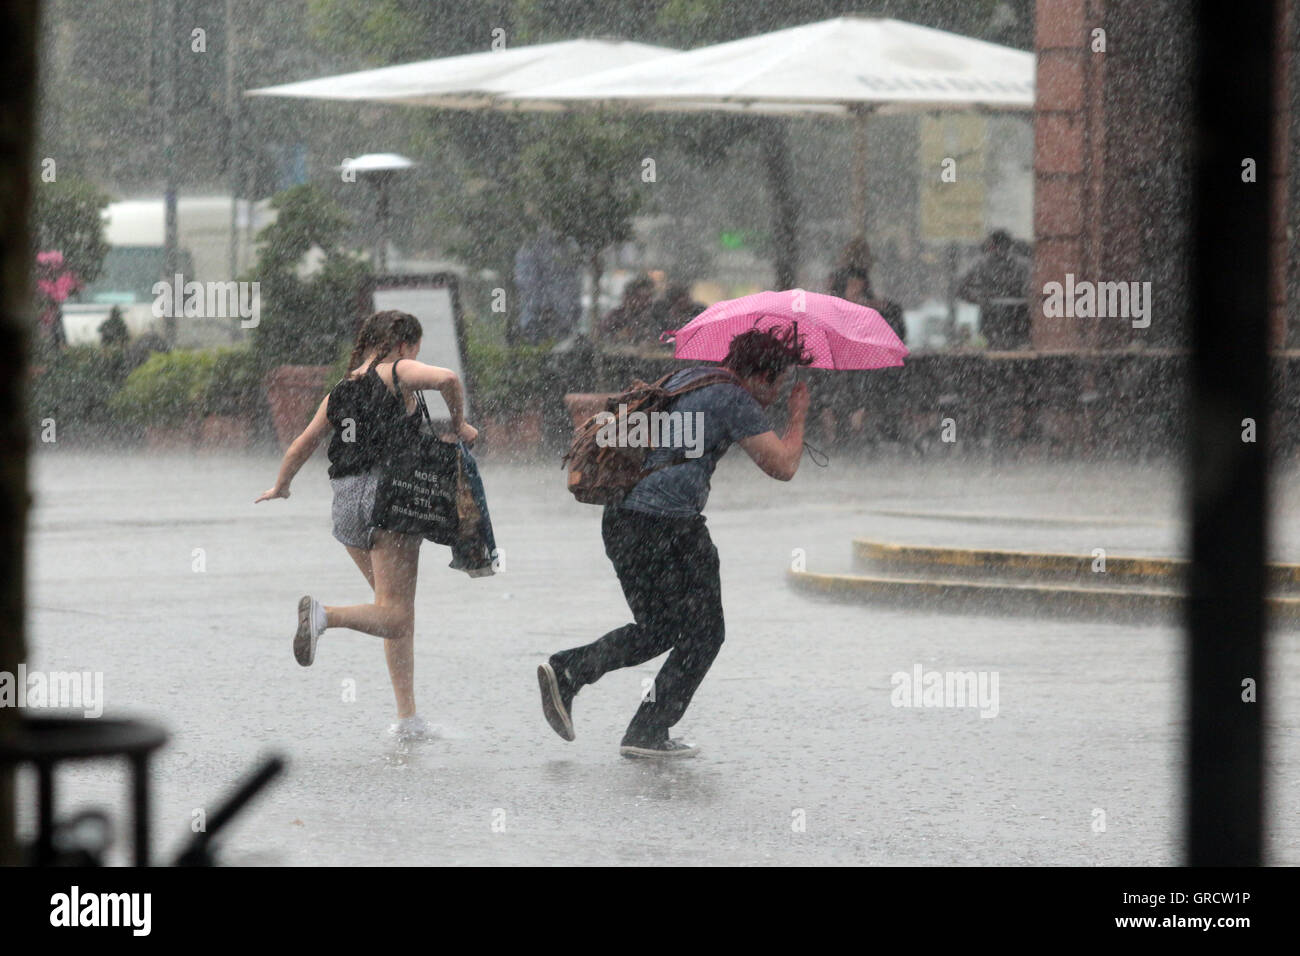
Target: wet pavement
<point>805,758</point>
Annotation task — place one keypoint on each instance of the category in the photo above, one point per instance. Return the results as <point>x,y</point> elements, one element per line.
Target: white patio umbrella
<point>853,65</point>
<point>475,81</point>
<point>472,80</point>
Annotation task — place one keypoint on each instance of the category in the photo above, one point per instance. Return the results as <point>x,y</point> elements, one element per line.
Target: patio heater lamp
<point>378,169</point>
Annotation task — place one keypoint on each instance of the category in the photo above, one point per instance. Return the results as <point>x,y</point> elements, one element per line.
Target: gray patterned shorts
<point>354,504</point>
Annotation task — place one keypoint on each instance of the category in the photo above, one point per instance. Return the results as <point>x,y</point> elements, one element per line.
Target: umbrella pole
<point>860,116</point>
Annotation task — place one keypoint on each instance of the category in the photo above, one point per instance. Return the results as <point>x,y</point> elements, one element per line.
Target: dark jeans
<point>668,568</point>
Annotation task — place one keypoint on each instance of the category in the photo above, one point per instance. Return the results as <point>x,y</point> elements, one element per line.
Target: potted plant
<point>74,392</point>
<point>508,384</point>
<point>232,399</point>
<point>165,397</point>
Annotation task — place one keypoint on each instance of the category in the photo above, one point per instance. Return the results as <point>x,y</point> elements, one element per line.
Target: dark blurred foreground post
<point>17,123</point>
<point>1229,378</point>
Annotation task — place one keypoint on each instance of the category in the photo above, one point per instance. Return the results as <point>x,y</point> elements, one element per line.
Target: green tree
<point>306,320</point>
<point>67,217</point>
<point>401,31</point>
<point>305,217</point>
<point>582,177</point>
<point>468,155</point>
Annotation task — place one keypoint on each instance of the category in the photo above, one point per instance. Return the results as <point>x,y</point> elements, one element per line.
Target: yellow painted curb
<point>1040,562</point>
<point>1011,597</point>
<point>988,517</point>
<point>1037,595</point>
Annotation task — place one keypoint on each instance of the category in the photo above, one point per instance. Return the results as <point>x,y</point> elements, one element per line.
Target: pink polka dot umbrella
<point>838,333</point>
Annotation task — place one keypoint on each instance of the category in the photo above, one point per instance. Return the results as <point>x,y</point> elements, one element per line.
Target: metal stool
<point>45,742</point>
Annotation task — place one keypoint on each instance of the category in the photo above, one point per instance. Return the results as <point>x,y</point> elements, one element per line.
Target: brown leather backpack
<point>604,474</point>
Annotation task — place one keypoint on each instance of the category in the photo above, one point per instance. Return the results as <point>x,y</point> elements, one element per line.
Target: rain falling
<point>530,432</point>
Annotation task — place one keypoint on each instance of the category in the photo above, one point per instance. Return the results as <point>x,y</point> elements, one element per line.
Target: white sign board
<point>435,306</point>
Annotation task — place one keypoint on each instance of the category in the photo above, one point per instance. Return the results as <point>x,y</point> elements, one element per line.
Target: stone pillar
<point>1069,160</point>
<point>1111,163</point>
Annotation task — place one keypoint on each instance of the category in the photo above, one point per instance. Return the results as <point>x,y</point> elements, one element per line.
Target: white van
<point>134,229</point>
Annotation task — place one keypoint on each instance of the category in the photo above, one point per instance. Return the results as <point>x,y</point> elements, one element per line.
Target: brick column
<point>1069,161</point>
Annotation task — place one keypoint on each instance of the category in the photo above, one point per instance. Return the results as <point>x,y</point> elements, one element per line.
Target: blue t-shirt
<point>703,425</point>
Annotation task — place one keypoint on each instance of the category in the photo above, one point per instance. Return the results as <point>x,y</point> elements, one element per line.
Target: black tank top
<point>365,414</point>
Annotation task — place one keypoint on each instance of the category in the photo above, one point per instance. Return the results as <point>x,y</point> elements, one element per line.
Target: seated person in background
<point>676,308</point>
<point>633,321</point>
<point>998,283</point>
<point>851,280</point>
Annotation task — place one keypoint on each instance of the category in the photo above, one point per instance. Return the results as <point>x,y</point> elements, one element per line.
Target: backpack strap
<point>420,404</point>
<point>719,376</point>
<point>397,384</point>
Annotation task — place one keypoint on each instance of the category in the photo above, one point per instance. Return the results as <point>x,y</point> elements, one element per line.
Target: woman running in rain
<point>362,410</point>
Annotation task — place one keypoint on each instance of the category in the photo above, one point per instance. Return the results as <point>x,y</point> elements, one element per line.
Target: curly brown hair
<point>767,352</point>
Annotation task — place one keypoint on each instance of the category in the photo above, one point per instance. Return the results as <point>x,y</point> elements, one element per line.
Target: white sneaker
<point>414,727</point>
<point>311,623</point>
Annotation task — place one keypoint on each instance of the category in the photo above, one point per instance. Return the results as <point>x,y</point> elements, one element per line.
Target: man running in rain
<point>660,548</point>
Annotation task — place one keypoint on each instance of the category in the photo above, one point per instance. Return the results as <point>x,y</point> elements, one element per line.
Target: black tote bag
<point>417,481</point>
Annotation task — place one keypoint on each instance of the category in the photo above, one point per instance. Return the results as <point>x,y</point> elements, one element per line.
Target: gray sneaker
<point>664,748</point>
<point>304,641</point>
<point>557,700</point>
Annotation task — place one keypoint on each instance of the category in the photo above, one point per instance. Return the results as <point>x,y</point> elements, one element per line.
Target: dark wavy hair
<point>384,332</point>
<point>840,281</point>
<point>767,352</point>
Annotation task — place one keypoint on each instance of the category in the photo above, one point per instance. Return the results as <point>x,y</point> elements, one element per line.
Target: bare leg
<point>398,566</point>
<point>394,563</point>
<point>362,558</point>
<point>399,652</point>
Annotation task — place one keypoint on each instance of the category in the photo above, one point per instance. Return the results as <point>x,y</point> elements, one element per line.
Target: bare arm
<point>298,453</point>
<point>417,376</point>
<point>780,457</point>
